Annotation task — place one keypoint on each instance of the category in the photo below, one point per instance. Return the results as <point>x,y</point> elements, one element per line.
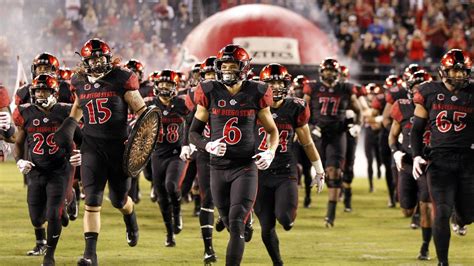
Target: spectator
<point>400,45</point>
<point>90,22</point>
<point>385,53</point>
<point>136,36</point>
<point>73,8</point>
<point>416,47</point>
<point>386,15</point>
<point>376,29</point>
<point>345,40</point>
<point>182,23</point>
<point>353,27</point>
<point>457,40</point>
<point>368,51</point>
<point>165,13</point>
<point>438,34</point>
<point>364,13</point>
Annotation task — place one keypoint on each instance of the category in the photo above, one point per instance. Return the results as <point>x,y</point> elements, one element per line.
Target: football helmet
<point>278,78</point>
<point>44,82</point>
<point>207,67</point>
<point>44,59</point>
<point>458,60</point>
<point>165,83</point>
<point>96,57</point>
<point>232,53</point>
<point>329,71</point>
<point>135,66</point>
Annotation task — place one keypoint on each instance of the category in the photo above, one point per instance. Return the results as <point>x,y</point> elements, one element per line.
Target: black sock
<point>54,231</point>
<point>236,245</point>
<point>131,221</point>
<point>331,212</point>
<point>442,231</point>
<point>40,234</point>
<point>206,219</point>
<point>91,244</point>
<point>270,239</point>
<point>426,234</point>
<point>347,197</point>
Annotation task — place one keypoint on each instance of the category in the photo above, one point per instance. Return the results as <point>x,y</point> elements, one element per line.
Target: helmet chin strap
<point>47,103</point>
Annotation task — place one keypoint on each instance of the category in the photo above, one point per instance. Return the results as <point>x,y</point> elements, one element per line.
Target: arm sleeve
<point>195,134</point>
<point>65,133</point>
<point>416,135</point>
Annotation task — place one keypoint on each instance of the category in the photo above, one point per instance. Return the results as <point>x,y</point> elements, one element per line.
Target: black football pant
<point>234,190</point>
<point>348,171</point>
<point>45,196</point>
<point>371,148</point>
<point>386,156</point>
<point>302,159</point>
<point>277,200</point>
<point>101,164</point>
<point>168,173</point>
<point>206,215</point>
<point>451,183</point>
<point>189,176</point>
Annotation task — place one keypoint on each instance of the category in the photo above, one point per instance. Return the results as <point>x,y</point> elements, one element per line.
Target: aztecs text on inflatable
<point>270,34</point>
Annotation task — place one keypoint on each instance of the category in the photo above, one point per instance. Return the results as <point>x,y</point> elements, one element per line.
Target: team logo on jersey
<point>87,87</point>
<point>322,89</point>
<point>440,97</point>
<point>36,122</point>
<point>454,98</point>
<point>45,120</point>
<point>275,116</point>
<point>96,85</point>
<point>331,90</point>
<point>165,112</point>
<point>221,103</point>
<point>233,102</point>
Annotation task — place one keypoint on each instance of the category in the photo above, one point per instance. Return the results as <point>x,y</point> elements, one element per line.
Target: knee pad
<point>286,221</point>
<point>118,201</point>
<point>93,199</point>
<point>334,183</point>
<point>37,221</point>
<point>443,211</point>
<point>347,177</point>
<point>237,226</point>
<point>171,187</point>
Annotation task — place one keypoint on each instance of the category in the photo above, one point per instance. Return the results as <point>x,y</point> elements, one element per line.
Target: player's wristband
<point>9,133</point>
<point>318,166</point>
<point>394,148</point>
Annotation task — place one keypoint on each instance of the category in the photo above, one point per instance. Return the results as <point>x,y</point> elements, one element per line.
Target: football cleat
<point>424,256</point>
<point>248,233</point>
<point>72,208</point>
<point>220,224</point>
<point>459,230</point>
<point>153,195</point>
<point>48,261</point>
<point>415,221</point>
<point>178,225</point>
<point>64,218</point>
<point>87,262</point>
<point>307,202</point>
<point>328,223</point>
<point>38,250</point>
<point>132,238</point>
<point>209,258</point>
<point>170,241</point>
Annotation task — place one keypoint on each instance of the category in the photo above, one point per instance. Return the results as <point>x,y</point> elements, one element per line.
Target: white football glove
<point>354,130</point>
<point>5,148</point>
<point>318,176</point>
<point>217,147</point>
<point>264,159</point>
<point>398,156</point>
<point>185,153</point>
<point>76,159</point>
<point>379,119</point>
<point>5,121</point>
<point>317,132</point>
<point>418,167</point>
<point>24,166</point>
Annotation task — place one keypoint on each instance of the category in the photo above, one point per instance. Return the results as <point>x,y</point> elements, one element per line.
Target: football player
<point>104,93</point>
<point>277,197</point>
<point>47,168</point>
<point>328,100</point>
<point>448,107</point>
<point>167,169</point>
<point>232,105</point>
<point>411,191</point>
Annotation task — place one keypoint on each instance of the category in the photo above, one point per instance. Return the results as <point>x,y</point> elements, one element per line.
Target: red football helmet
<point>300,81</point>
<point>417,78</point>
<point>273,73</point>
<point>194,75</point>
<point>329,71</point>
<point>43,82</point>
<point>392,81</point>
<point>207,66</point>
<point>45,59</point>
<point>135,66</point>
<point>410,70</point>
<point>65,73</point>
<point>234,54</point>
<point>170,80</point>
<point>458,60</point>
<point>345,75</point>
<point>373,88</point>
<point>96,48</point>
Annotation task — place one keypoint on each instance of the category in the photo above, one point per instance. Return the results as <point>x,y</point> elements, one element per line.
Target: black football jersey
<point>102,102</point>
<point>395,93</point>
<point>292,114</point>
<point>172,134</point>
<point>233,117</point>
<point>65,94</point>
<point>450,114</point>
<point>403,112</point>
<point>328,105</point>
<point>39,127</point>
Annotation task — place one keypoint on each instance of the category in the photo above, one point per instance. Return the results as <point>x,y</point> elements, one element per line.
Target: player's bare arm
<point>304,135</point>
<point>135,101</point>
<point>20,137</point>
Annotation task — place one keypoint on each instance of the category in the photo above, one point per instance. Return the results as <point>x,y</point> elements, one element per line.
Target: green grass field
<point>371,235</point>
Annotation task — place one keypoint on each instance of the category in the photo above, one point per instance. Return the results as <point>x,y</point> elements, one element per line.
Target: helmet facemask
<point>457,77</point>
<point>279,89</point>
<point>165,89</point>
<point>98,66</point>
<point>330,76</point>
<point>230,72</point>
